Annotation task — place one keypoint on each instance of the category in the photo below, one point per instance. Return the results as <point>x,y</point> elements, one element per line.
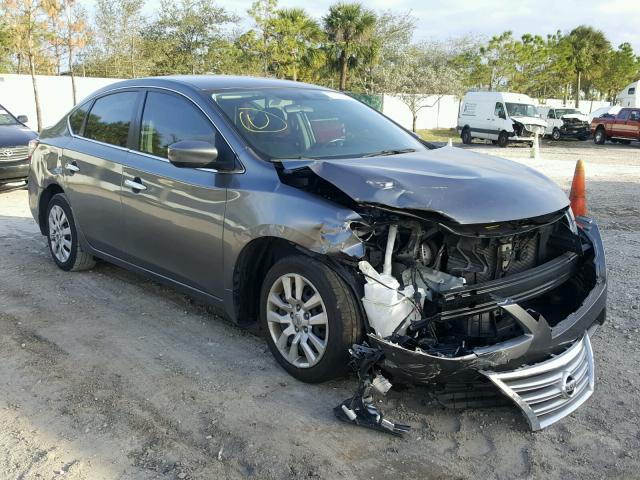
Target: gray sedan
<point>303,209</point>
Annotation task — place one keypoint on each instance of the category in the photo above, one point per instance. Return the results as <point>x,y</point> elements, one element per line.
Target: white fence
<point>16,94</point>
<point>56,96</point>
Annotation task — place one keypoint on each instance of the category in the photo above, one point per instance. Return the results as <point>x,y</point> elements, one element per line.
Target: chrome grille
<point>551,390</point>
<point>12,154</point>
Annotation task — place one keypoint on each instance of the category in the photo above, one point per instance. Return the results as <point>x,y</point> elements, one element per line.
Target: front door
<point>632,125</point>
<point>174,216</point>
<point>618,128</point>
<point>92,164</point>
<point>498,121</point>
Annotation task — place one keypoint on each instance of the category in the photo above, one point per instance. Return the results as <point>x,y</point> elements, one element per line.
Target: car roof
<point>209,83</point>
<point>493,96</point>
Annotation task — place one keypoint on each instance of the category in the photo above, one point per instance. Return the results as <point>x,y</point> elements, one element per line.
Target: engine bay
<point>453,277</point>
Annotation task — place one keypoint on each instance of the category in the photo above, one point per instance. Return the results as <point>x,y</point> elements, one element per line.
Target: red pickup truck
<point>623,128</point>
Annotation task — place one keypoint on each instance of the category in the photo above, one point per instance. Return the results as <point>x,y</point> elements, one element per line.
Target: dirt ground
<point>104,374</point>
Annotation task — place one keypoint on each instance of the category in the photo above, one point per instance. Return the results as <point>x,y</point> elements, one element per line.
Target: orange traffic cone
<point>578,195</point>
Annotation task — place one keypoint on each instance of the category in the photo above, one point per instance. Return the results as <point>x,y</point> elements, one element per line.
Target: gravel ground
<point>105,374</point>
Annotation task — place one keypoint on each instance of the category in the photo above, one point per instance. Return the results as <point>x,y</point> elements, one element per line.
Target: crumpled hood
<point>467,187</point>
<point>575,116</point>
<point>530,121</point>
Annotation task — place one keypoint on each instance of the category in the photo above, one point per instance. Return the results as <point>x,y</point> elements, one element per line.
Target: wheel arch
<point>259,255</point>
<point>45,197</point>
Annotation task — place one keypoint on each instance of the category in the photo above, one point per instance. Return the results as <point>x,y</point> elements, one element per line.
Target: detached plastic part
<point>359,409</point>
<point>368,416</point>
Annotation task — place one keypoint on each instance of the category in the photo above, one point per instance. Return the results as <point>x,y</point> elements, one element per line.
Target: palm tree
<point>297,36</point>
<point>348,25</point>
<point>588,49</point>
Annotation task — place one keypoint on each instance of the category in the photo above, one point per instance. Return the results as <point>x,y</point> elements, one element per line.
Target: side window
<point>635,115</point>
<point>110,118</point>
<point>168,119</point>
<point>551,114</point>
<point>499,111</point>
<point>623,115</point>
<point>77,118</point>
<point>631,91</point>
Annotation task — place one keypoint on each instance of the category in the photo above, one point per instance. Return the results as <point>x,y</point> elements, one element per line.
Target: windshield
<point>286,123</point>
<point>521,110</point>
<point>565,111</point>
<point>6,118</point>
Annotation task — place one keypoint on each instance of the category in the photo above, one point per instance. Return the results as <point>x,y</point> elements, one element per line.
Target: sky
<point>442,19</point>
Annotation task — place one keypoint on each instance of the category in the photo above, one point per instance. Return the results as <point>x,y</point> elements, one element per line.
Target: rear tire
<point>309,317</point>
<point>503,139</point>
<point>465,136</point>
<point>62,237</point>
<point>599,137</point>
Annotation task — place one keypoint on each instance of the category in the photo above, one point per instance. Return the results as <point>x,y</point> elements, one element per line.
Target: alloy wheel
<point>59,234</point>
<point>297,320</point>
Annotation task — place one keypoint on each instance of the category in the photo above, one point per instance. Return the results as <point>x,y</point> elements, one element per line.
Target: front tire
<point>599,137</point>
<point>62,237</point>
<point>503,139</point>
<point>310,318</point>
<point>555,135</point>
<point>465,136</point>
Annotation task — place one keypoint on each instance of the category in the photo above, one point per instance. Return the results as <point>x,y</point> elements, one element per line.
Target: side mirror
<point>193,154</point>
<point>22,118</point>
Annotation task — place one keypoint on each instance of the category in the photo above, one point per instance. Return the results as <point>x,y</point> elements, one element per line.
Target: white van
<point>501,117</point>
<point>630,96</point>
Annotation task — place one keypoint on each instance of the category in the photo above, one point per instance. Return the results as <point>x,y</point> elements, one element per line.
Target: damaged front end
<point>453,301</point>
<point>574,126</point>
<point>526,128</point>
<point>492,301</point>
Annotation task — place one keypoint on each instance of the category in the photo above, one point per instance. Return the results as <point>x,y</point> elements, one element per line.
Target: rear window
<point>110,118</point>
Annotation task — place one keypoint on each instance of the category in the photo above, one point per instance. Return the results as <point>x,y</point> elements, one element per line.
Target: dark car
<point>305,210</point>
<point>14,147</point>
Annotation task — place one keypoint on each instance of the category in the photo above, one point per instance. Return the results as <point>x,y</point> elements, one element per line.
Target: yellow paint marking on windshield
<point>248,124</point>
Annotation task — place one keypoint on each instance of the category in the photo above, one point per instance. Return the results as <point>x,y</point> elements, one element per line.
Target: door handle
<point>135,184</point>
<point>72,167</point>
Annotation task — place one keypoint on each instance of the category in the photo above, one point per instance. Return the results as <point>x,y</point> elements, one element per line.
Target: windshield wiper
<point>383,153</point>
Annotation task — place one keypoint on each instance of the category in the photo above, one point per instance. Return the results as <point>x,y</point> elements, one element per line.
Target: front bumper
<point>539,341</point>
<point>574,131</point>
<point>516,138</point>
<point>14,171</point>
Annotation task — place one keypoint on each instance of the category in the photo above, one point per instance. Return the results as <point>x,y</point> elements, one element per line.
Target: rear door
<point>92,164</point>
<point>174,216</point>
